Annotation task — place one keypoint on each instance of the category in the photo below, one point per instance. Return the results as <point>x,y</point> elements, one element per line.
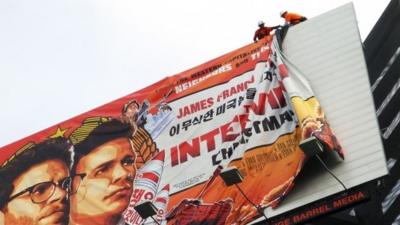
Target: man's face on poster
<point>39,196</point>
<point>106,180</point>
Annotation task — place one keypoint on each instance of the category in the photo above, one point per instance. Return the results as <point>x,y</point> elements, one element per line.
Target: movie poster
<point>168,144</point>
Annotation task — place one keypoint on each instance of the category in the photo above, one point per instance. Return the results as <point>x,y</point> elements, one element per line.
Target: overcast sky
<point>61,58</point>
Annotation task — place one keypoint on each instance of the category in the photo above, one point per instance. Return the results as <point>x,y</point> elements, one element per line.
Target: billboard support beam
<point>147,209</point>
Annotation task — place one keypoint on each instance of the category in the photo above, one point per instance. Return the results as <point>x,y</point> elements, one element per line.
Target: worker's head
<point>283,13</point>
<point>261,23</point>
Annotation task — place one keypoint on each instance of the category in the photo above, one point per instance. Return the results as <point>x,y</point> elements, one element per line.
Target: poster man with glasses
<point>34,184</point>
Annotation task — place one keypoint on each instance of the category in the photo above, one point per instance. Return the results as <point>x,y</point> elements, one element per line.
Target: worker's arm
<point>255,37</point>
<point>275,27</point>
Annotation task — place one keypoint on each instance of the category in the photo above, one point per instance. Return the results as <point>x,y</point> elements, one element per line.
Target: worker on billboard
<point>34,184</point>
<point>292,18</point>
<point>262,31</point>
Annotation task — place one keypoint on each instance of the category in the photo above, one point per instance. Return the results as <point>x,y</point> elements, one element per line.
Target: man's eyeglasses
<point>41,192</point>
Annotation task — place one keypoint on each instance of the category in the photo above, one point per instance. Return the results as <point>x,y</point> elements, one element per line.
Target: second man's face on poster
<point>104,180</point>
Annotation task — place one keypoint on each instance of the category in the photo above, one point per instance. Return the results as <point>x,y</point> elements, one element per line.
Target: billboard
<point>169,144</point>
<point>333,63</point>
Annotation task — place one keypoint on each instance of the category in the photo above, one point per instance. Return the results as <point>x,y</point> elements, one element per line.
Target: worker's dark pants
<point>281,33</point>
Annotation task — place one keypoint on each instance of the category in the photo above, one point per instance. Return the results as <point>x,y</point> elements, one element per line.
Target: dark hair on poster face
<point>96,132</point>
<point>51,149</point>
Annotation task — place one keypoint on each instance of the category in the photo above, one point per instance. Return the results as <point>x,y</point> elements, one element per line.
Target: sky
<point>62,58</point>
